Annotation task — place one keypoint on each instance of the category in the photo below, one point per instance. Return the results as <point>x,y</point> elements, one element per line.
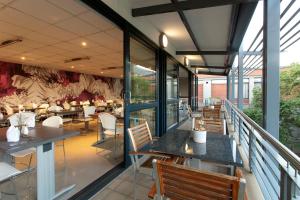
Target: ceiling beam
<point>184,5</point>
<point>205,52</point>
<point>243,14</point>
<point>187,26</point>
<point>212,73</point>
<point>211,67</point>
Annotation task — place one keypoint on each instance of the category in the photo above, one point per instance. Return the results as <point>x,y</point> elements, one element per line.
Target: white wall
<point>123,7</point>
<point>206,88</point>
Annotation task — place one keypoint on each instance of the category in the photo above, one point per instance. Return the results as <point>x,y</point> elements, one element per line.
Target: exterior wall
<point>218,91</point>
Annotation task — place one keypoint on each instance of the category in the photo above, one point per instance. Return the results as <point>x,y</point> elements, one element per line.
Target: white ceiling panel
<point>53,31</point>
<point>217,60</point>
<point>210,26</point>
<point>77,26</point>
<point>142,3</point>
<point>74,7</point>
<point>41,9</point>
<point>171,25</point>
<point>96,20</point>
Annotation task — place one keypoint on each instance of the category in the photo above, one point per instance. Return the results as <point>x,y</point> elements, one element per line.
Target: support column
<point>271,90</point>
<point>240,79</point>
<point>228,87</point>
<point>232,86</point>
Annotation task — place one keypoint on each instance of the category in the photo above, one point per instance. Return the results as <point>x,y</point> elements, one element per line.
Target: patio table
<point>221,149</point>
<point>43,139</point>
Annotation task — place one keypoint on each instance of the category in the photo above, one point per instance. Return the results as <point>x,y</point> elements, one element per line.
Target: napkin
<point>1,116</point>
<point>13,134</point>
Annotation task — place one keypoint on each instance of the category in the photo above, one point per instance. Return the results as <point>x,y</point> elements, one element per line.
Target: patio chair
<point>7,173</point>
<point>87,112</point>
<point>55,122</point>
<point>179,182</point>
<point>211,113</point>
<point>215,125</point>
<point>29,118</point>
<point>141,136</point>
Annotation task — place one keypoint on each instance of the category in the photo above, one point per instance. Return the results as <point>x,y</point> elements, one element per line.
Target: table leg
<point>45,171</point>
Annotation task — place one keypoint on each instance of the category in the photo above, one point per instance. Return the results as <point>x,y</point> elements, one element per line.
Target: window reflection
<point>143,73</point>
<point>142,116</point>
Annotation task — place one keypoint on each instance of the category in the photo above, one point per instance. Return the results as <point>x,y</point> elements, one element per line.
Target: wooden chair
<point>140,136</point>
<point>214,125</point>
<point>177,182</point>
<point>211,113</point>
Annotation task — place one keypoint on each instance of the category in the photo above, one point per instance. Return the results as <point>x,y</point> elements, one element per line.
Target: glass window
<point>143,73</point>
<point>172,114</point>
<point>139,117</point>
<point>172,88</point>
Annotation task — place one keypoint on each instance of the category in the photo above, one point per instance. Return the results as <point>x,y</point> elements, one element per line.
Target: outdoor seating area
<point>139,99</point>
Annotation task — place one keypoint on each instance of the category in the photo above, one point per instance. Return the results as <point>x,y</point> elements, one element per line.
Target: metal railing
<point>275,167</point>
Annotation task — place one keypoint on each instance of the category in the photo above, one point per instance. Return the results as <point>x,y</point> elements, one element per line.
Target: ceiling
<point>52,34</point>
<point>211,27</point>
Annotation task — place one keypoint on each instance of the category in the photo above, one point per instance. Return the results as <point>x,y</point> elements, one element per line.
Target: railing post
<point>252,148</point>
<point>240,129</point>
<point>285,185</point>
<point>233,120</point>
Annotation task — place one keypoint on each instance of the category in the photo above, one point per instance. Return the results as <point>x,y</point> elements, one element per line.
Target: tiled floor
<point>83,164</point>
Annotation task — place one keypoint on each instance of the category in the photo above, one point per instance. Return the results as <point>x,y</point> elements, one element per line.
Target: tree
<point>289,130</point>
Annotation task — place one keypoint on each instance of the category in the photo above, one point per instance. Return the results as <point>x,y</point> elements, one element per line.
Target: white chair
<point>109,124</point>
<point>55,122</point>
<point>87,112</point>
<point>55,108</point>
<point>28,119</point>
<point>9,110</point>
<point>7,173</point>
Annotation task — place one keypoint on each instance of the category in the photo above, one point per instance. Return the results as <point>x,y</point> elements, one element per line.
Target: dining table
<point>43,139</point>
<point>218,148</point>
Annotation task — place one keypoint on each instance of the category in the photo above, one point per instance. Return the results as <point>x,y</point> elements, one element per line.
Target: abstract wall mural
<point>22,84</point>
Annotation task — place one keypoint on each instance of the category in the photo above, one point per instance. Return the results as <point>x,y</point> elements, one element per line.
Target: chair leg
<point>64,149</point>
<point>134,183</point>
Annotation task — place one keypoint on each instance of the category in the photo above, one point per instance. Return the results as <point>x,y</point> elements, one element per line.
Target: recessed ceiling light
<point>83,44</point>
<point>23,58</point>
<point>72,67</point>
<point>102,72</point>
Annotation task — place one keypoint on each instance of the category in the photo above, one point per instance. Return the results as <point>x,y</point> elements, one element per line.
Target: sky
<point>290,55</point>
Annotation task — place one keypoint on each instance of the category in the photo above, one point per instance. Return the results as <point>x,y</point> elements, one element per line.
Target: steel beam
<point>212,73</point>
<point>211,67</point>
<point>271,49</point>
<point>184,5</point>
<point>228,87</point>
<point>244,13</point>
<point>240,80</point>
<point>187,27</point>
<point>205,52</point>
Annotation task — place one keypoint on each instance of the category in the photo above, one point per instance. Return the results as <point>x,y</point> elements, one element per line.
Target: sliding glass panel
<point>172,85</point>
<point>142,116</point>
<point>183,93</point>
<point>143,73</point>
<point>172,93</point>
<point>172,114</point>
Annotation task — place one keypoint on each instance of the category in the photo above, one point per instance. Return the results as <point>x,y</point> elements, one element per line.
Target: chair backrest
<point>108,121</point>
<point>55,108</point>
<point>211,113</point>
<point>88,110</point>
<point>9,110</point>
<point>140,135</point>
<point>54,122</point>
<point>179,182</point>
<point>214,125</point>
<point>27,118</point>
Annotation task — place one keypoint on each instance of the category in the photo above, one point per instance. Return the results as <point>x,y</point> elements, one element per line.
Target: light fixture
<point>102,72</point>
<point>77,59</point>
<point>163,40</point>
<point>186,61</point>
<point>23,58</point>
<point>10,42</point>
<point>72,67</point>
<point>83,44</point>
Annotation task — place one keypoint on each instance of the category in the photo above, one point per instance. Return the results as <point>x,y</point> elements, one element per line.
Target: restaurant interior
<point>66,65</point>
